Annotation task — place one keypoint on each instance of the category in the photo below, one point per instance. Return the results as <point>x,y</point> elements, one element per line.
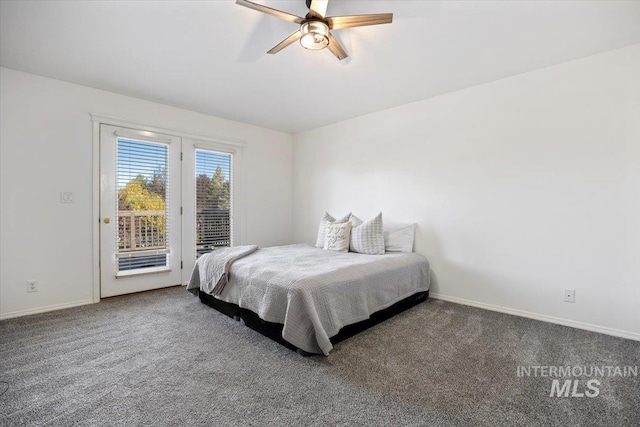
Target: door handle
<point>106,220</point>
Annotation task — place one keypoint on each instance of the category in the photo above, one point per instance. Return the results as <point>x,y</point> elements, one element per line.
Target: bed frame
<point>274,330</point>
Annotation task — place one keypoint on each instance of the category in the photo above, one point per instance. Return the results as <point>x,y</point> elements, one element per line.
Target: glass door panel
<point>213,200</point>
<point>141,181</point>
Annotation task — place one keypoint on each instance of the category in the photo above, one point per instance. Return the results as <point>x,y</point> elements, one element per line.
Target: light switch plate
<point>66,197</point>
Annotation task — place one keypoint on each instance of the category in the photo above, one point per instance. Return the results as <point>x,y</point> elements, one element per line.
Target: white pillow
<point>322,230</point>
<point>338,236</point>
<point>367,237</point>
<point>399,236</point>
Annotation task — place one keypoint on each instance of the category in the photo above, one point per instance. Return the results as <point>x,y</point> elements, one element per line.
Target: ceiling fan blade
<point>335,48</point>
<point>286,42</point>
<point>318,8</point>
<point>340,22</point>
<point>269,11</point>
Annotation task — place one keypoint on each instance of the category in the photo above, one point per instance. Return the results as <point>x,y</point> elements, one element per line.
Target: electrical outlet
<point>569,295</point>
<point>32,286</point>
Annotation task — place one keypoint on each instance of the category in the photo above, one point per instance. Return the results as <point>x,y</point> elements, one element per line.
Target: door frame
<point>99,119</point>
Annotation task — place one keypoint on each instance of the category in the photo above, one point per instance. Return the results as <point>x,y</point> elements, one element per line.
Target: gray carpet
<point>163,358</point>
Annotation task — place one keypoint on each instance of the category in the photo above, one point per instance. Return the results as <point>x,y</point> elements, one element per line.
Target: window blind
<point>214,200</point>
<point>142,201</point>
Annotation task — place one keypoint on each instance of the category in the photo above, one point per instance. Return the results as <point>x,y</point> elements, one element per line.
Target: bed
<point>308,299</point>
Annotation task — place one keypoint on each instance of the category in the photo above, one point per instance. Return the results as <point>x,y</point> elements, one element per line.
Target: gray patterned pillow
<point>367,237</point>
<point>322,230</point>
<point>338,234</point>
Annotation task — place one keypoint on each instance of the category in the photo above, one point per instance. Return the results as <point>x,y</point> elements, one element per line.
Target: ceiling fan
<point>314,32</point>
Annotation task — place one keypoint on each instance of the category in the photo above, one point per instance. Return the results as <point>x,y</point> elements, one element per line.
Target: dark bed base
<point>274,330</point>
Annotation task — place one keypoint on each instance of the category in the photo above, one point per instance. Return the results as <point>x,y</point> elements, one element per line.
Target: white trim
<point>95,211</point>
<point>114,121</point>
<point>542,317</point>
<point>44,309</point>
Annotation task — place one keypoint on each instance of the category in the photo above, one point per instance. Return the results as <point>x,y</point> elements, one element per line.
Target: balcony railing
<point>146,230</point>
<point>141,231</point>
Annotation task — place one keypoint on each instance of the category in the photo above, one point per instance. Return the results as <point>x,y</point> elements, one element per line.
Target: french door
<point>208,193</point>
<point>164,201</point>
<point>140,223</point>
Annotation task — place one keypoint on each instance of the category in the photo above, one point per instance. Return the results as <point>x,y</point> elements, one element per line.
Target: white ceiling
<point>209,56</point>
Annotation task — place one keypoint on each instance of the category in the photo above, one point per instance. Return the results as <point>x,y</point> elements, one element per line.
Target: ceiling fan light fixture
<point>314,31</point>
<point>315,35</point>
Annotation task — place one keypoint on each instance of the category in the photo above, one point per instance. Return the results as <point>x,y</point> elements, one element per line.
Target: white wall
<point>46,148</point>
<point>521,188</point>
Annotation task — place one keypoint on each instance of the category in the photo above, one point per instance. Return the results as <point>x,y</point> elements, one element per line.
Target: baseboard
<point>44,309</point>
<point>542,317</point>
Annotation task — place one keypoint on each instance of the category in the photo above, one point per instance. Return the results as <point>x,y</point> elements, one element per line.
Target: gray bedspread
<point>211,272</point>
<point>314,292</point>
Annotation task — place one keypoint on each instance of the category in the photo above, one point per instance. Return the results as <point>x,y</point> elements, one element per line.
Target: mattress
<point>313,293</point>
